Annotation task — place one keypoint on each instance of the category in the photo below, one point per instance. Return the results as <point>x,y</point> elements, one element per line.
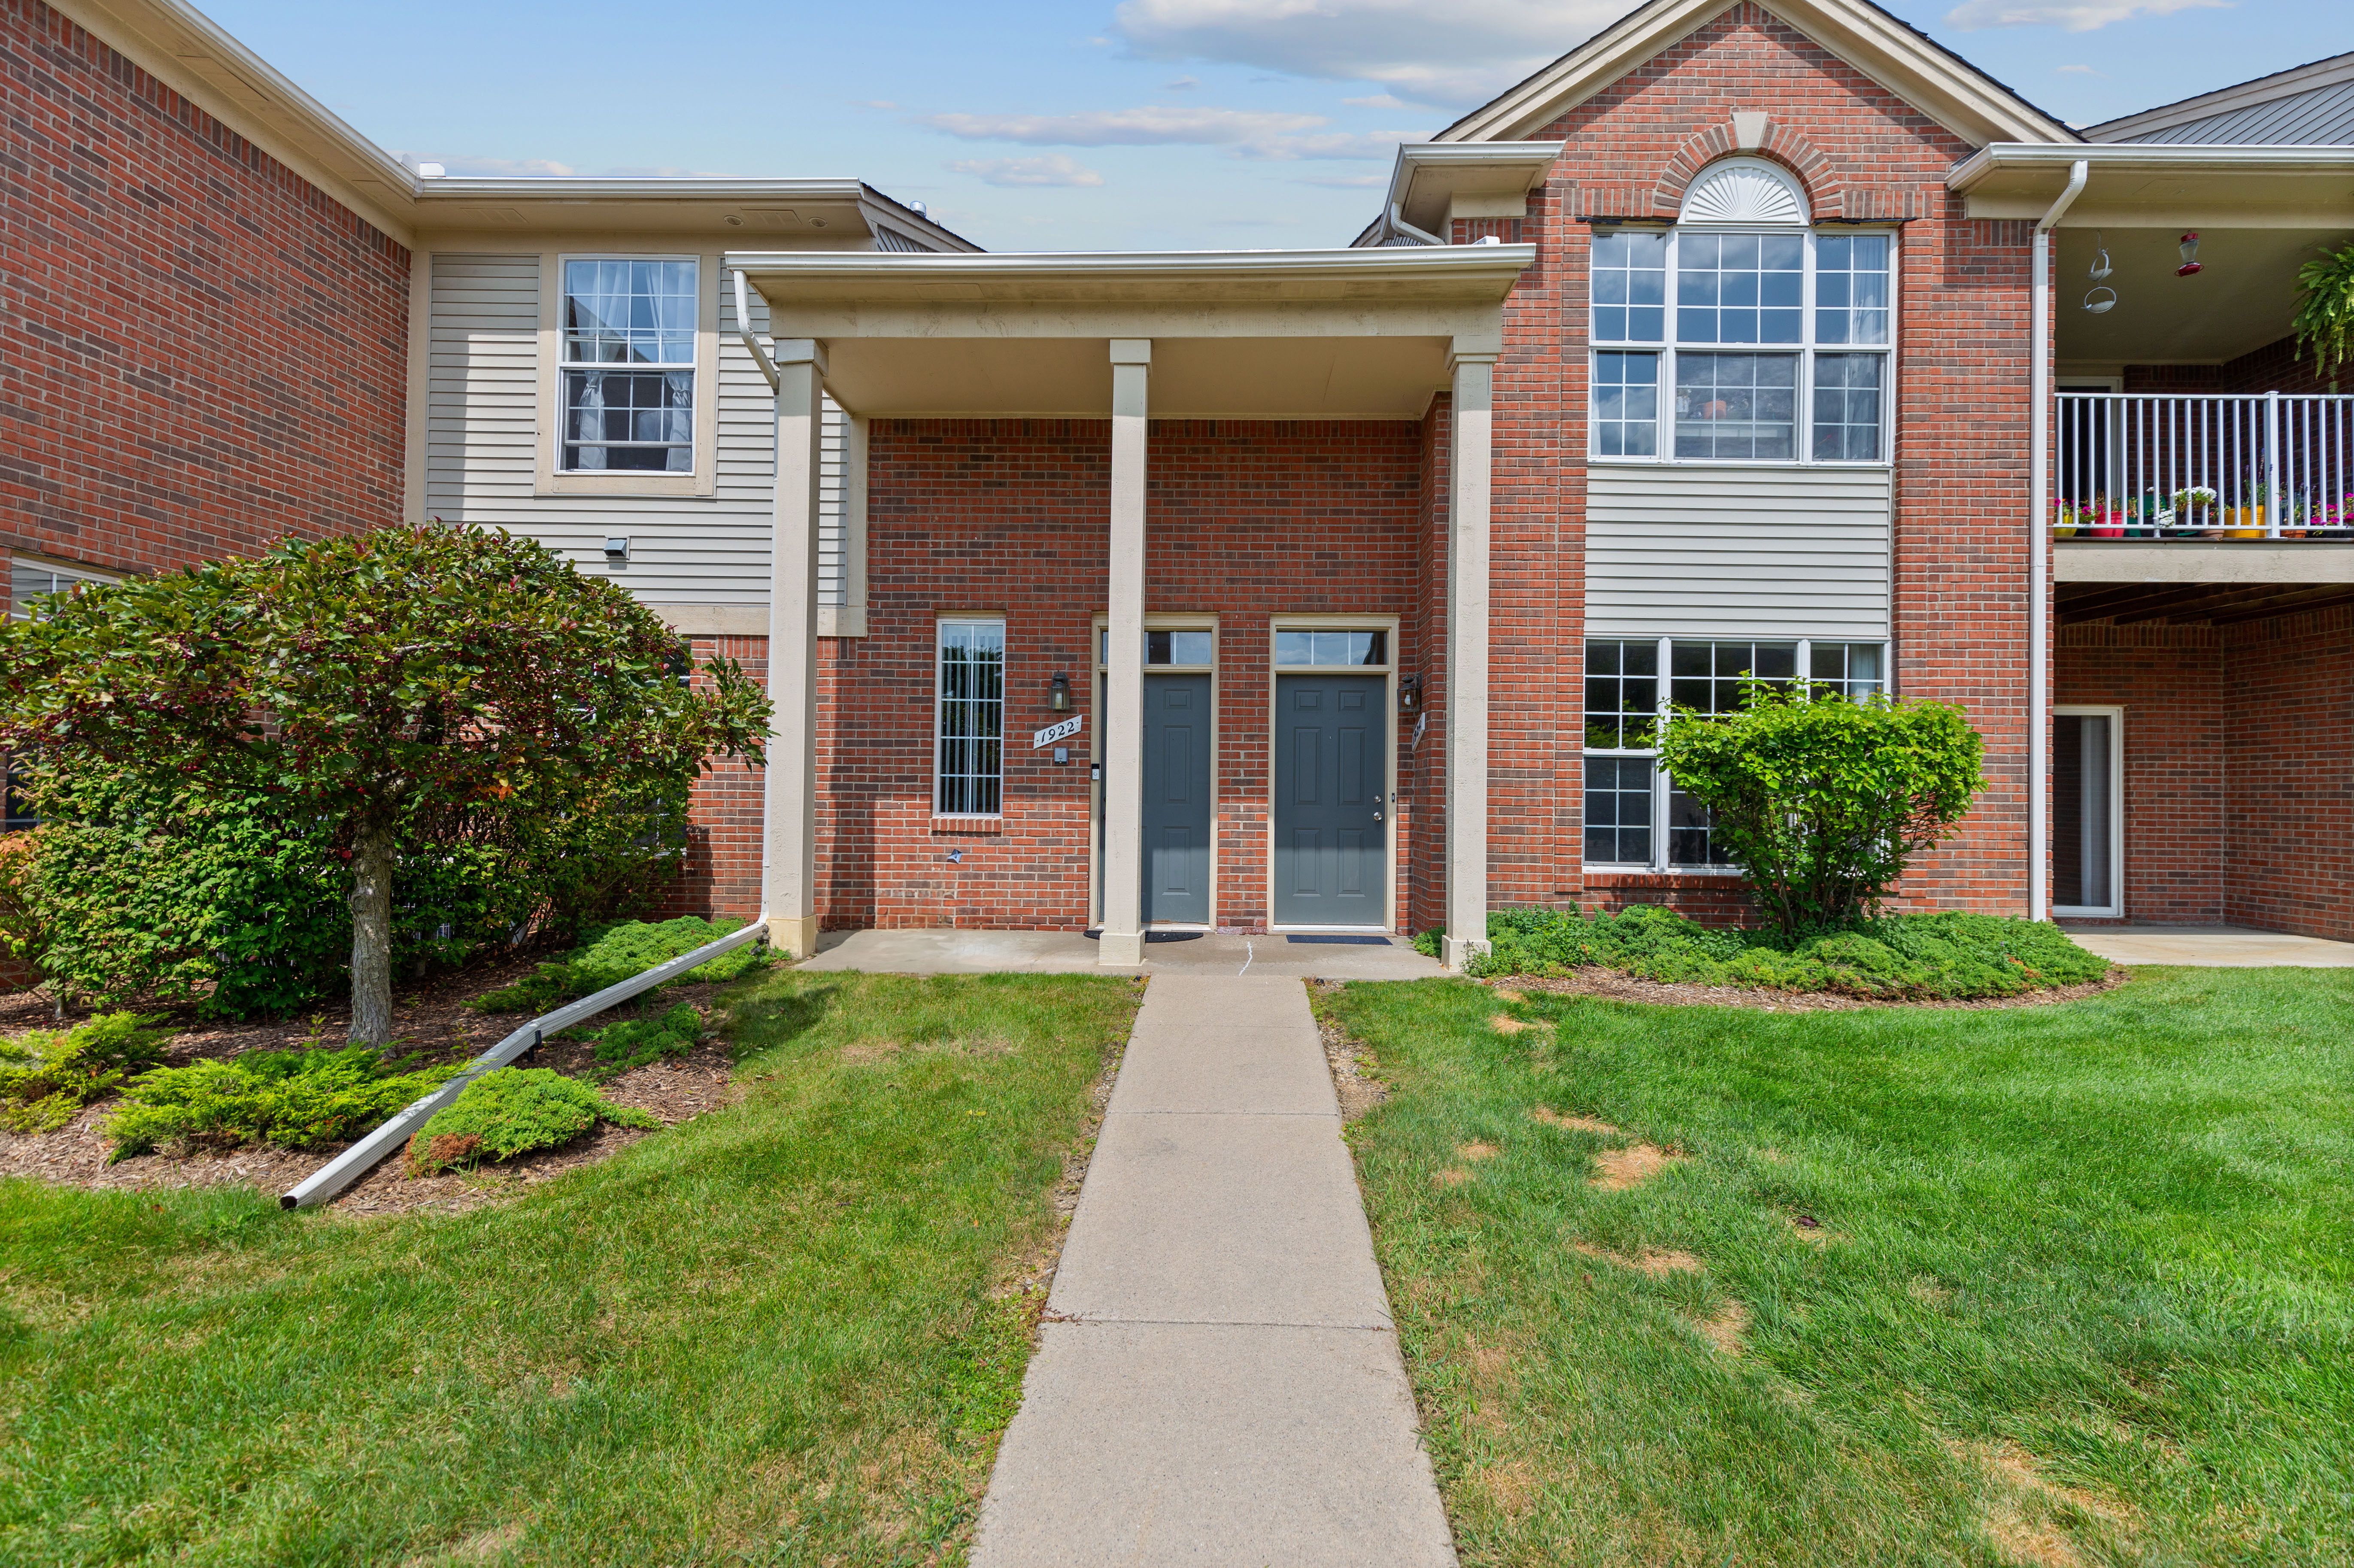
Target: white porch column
<point>1122,936</point>
<point>788,836</point>
<point>1470,458</point>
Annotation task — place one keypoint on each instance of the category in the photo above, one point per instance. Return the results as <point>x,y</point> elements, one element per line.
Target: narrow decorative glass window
<point>1630,285</point>
<point>969,766</point>
<point>1740,406</point>
<point>1334,650</point>
<point>1626,404</point>
<point>629,365</point>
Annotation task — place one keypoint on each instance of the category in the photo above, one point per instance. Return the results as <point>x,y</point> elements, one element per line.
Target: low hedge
<point>1942,957</point>
<point>294,1099</point>
<point>513,1111</point>
<point>48,1074</point>
<point>611,954</point>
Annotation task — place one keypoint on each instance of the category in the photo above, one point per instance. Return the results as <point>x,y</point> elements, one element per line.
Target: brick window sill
<point>969,826</point>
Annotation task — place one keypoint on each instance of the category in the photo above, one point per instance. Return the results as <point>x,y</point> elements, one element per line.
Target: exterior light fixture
<point>1058,695</point>
<point>2189,256</point>
<point>617,552</point>
<point>1409,693</point>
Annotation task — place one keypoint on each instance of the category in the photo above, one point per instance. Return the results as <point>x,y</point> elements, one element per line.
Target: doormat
<point>1343,941</point>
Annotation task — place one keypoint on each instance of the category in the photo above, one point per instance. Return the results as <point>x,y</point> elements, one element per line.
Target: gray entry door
<point>1331,822</point>
<point>1177,799</point>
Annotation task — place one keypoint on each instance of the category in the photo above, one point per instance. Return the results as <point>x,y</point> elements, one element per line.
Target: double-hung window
<point>1740,336</point>
<point>627,371</point>
<point>1636,818</point>
<point>968,766</point>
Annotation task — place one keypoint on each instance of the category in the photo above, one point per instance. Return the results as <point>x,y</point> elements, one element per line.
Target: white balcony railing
<point>2137,465</point>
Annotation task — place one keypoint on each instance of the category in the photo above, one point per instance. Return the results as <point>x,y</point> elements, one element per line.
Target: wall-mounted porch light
<point>1409,693</point>
<point>1058,695</point>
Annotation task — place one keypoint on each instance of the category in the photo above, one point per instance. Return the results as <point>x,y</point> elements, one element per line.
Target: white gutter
<point>370,1151</point>
<point>1398,225</point>
<point>744,328</point>
<point>2039,555</point>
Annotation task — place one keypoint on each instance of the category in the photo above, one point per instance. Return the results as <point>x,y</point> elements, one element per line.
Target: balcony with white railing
<point>2202,466</point>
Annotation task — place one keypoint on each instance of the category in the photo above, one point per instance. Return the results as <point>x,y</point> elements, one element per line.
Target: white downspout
<point>744,329</point>
<point>2039,554</point>
<point>1398,225</point>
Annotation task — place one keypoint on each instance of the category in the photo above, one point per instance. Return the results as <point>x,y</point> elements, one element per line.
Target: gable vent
<point>1744,191</point>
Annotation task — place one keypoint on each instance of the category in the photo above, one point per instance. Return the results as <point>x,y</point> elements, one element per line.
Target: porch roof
<point>1343,334</point>
<point>2162,184</point>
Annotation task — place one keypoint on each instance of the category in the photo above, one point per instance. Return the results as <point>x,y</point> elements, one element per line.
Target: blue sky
<point>1075,124</point>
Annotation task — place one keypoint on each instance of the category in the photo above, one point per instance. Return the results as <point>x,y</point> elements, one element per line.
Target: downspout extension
<point>744,329</point>
<point>2039,556</point>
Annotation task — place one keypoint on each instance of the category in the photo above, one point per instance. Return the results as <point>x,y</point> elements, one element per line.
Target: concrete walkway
<point>939,951</point>
<point>1217,1380</point>
<point>2211,947</point>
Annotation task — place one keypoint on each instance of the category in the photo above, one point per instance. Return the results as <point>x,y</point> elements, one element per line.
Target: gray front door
<point>1332,821</point>
<point>1177,799</point>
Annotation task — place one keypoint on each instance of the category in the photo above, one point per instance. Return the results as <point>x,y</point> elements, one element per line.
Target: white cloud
<point>1052,169</point>
<point>1378,100</point>
<point>1454,54</point>
<point>2075,16</point>
<point>502,168</point>
<point>2076,70</point>
<point>1250,133</point>
<point>1183,84</point>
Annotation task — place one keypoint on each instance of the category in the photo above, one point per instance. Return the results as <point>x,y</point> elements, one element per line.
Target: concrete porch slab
<point>942,951</point>
<point>2211,947</point>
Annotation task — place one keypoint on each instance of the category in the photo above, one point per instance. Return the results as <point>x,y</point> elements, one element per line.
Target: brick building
<point>1331,589</point>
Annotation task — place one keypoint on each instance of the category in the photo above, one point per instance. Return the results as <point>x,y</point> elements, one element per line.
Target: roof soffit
<point>1949,91</point>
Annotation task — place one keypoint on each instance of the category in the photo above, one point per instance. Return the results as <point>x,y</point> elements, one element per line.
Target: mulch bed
<point>1613,985</point>
<point>428,1018</point>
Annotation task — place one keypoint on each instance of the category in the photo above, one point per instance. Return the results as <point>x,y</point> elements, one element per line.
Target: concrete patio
<point>2211,947</point>
<point>955,952</point>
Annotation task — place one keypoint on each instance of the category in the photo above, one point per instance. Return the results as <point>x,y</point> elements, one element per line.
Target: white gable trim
<point>1956,95</point>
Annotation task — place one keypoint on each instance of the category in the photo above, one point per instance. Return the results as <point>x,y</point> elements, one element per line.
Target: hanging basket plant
<point>2324,318</point>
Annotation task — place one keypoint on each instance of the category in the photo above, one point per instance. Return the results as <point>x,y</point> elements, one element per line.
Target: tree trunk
<point>371,904</point>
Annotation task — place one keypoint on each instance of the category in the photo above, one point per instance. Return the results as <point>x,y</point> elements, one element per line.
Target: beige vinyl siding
<point>482,439</point>
<point>1673,550</point>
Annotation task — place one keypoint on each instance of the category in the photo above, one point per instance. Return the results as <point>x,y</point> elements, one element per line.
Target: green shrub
<point>1945,957</point>
<point>608,955</point>
<point>1430,944</point>
<point>294,1099</point>
<point>48,1074</point>
<point>234,901</point>
<point>1819,799</point>
<point>513,1111</point>
<point>636,1041</point>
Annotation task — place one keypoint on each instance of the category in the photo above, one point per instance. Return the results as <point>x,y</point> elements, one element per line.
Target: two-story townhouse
<point>1343,591</point>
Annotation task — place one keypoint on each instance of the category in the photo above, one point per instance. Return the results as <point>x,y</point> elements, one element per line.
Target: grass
<point>779,1333</point>
<point>2078,1289</point>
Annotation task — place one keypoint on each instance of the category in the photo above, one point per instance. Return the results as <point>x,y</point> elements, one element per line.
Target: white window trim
<point>2116,908</point>
<point>551,479</point>
<point>1807,349</point>
<point>1662,787</point>
<point>941,621</point>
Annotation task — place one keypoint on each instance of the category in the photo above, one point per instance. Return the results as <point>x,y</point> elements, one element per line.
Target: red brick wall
<point>1246,520</point>
<point>2276,367</point>
<point>2170,682</point>
<point>2289,733</point>
<point>201,351</point>
<point>1962,423</point>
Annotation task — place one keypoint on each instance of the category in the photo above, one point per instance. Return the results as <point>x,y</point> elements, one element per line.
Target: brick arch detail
<point>1824,182</point>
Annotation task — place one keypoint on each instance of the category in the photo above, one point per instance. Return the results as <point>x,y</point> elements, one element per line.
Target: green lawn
<point>2080,1288</point>
<point>778,1334</point>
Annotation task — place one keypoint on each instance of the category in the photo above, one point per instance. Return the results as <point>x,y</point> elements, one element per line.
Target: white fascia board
<point>584,188</point>
<point>1445,164</point>
<point>1187,266</point>
<point>2224,100</point>
<point>1964,99</point>
<point>2158,157</point>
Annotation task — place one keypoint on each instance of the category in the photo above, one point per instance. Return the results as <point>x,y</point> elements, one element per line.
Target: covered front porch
<point>1123,516</point>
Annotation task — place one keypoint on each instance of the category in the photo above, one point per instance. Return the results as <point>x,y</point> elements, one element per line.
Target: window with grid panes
<point>1850,669</point>
<point>628,372</point>
<point>1715,345</point>
<point>1622,707</point>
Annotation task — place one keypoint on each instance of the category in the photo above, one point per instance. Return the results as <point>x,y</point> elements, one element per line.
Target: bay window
<point>1728,340</point>
<point>1635,817</point>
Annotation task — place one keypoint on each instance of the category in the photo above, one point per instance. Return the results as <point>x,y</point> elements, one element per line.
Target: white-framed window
<point>969,761</point>
<point>626,337</point>
<point>1635,817</point>
<point>1741,335</point>
<point>29,580</point>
